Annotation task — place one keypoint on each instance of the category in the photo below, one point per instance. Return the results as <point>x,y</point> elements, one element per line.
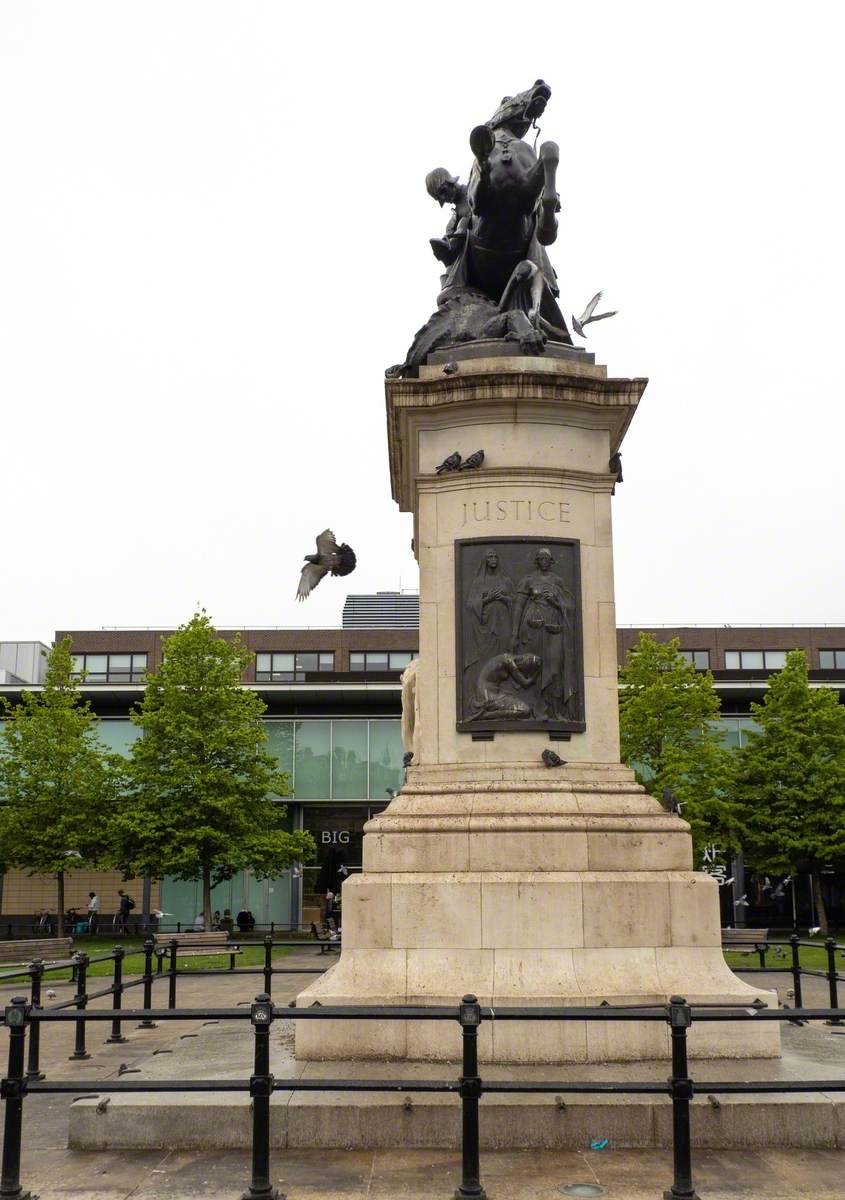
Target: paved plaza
<point>53,1171</point>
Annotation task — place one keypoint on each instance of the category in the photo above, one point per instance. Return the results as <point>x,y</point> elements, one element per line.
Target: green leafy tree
<point>59,786</point>
<point>200,802</point>
<point>667,716</point>
<point>791,778</point>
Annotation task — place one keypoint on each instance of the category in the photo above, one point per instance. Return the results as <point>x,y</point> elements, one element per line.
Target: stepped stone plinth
<point>491,872</point>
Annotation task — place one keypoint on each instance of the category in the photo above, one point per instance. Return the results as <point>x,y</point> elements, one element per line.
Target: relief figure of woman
<point>544,624</point>
<point>490,603</point>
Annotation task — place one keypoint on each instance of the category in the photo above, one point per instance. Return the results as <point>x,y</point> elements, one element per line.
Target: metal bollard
<point>680,1089</point>
<point>149,948</point>
<point>268,966</point>
<point>171,987</point>
<point>830,946</point>
<point>13,1090</point>
<point>796,970</point>
<point>117,995</point>
<point>261,1089</point>
<point>36,975</point>
<point>469,1015</point>
<point>81,964</point>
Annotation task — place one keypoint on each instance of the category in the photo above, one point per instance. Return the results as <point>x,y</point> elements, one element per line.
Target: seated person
<point>226,922</point>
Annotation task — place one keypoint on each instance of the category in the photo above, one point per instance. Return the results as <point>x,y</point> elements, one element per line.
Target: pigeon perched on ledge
<point>551,759</point>
<point>452,463</point>
<point>473,462</point>
<point>330,558</point>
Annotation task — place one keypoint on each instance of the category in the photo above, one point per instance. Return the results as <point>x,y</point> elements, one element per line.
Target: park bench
<point>744,941</point>
<point>26,950</point>
<point>332,942</point>
<point>193,945</point>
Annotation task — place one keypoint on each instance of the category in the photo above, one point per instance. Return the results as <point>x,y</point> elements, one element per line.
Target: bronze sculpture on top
<point>499,282</point>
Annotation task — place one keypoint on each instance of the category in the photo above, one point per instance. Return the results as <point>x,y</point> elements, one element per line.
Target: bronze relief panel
<point>518,635</point>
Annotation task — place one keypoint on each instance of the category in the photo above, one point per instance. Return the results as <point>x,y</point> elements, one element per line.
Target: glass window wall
<point>338,760</point>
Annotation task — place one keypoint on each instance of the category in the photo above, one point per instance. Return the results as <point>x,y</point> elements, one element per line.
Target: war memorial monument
<point>521,861</point>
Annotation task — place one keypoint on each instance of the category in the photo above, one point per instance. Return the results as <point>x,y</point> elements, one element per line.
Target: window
<point>700,659</point>
<point>290,668</point>
<point>755,660</point>
<point>380,660</point>
<point>110,668</point>
<point>340,759</point>
<point>832,660</point>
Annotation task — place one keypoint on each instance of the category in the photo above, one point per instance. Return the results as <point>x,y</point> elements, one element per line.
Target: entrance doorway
<point>338,831</point>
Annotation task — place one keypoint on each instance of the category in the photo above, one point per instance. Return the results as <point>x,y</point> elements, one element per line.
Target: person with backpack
<point>126,906</point>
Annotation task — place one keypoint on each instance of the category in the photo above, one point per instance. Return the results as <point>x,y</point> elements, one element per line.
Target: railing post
<point>832,982</point>
<point>469,1015</point>
<point>117,995</point>
<point>268,966</point>
<point>13,1090</point>
<point>171,987</point>
<point>81,964</point>
<point>261,1089</point>
<point>36,975</point>
<point>680,1089</point>
<point>796,970</point>
<point>149,947</point>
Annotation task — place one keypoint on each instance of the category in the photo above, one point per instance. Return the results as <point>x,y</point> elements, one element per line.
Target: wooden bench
<point>326,943</point>
<point>745,941</point>
<point>194,945</point>
<point>26,950</point>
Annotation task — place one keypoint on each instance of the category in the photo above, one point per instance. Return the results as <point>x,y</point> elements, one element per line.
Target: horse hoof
<point>481,142</point>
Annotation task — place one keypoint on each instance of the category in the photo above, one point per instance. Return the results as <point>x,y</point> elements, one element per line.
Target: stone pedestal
<point>491,873</point>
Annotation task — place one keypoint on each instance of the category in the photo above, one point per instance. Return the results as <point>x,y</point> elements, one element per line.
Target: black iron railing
<point>793,966</point>
<point>680,1088</point>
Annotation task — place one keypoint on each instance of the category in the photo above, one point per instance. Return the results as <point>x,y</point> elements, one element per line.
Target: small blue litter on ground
<point>599,1144</point>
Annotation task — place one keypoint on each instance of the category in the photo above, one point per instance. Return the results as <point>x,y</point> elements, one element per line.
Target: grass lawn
<point>252,955</point>
<point>814,958</point>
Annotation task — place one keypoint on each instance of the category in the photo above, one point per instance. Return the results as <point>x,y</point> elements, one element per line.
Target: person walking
<point>93,912</point>
<point>126,906</point>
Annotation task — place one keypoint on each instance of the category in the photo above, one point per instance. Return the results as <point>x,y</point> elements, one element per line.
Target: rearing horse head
<point>517,112</point>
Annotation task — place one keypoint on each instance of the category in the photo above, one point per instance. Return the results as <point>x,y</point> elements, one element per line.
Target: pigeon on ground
<point>587,317</point>
<point>473,462</point>
<point>552,760</point>
<point>330,558</point>
<point>452,463</point>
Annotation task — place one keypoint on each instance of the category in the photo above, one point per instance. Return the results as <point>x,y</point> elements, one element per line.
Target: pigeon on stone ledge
<point>473,462</point>
<point>330,558</point>
<point>552,760</point>
<point>452,463</point>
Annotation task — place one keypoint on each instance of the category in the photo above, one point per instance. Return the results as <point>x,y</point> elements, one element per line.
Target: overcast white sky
<point>214,238</point>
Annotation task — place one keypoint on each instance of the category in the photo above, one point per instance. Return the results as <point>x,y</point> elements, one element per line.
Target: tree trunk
<point>60,900</point>
<point>821,912</point>
<point>206,897</point>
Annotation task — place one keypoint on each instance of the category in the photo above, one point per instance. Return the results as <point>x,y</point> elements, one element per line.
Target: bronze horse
<point>500,283</point>
<point>513,202</point>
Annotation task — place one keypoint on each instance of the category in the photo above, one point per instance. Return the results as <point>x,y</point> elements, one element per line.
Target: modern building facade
<point>333,722</point>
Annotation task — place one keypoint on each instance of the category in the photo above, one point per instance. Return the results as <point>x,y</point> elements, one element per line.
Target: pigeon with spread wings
<point>589,315</point>
<point>330,558</point>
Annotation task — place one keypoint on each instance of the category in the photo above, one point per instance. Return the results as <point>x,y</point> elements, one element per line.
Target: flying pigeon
<point>552,760</point>
<point>587,317</point>
<point>330,558</point>
<point>473,462</point>
<point>452,463</point>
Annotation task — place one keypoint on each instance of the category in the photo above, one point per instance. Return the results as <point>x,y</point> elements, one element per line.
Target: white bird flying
<point>330,558</point>
<point>587,316</point>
